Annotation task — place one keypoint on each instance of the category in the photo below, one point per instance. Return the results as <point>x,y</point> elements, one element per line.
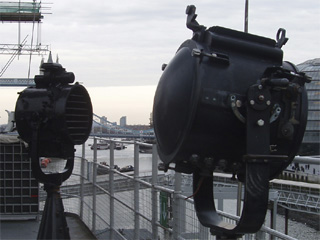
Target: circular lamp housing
<point>60,113</point>
<point>227,101</point>
<point>203,96</point>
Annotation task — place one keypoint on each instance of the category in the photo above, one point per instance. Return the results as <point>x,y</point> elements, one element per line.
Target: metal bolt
<point>260,87</point>
<point>196,52</point>
<point>252,102</point>
<point>268,102</point>
<point>238,103</point>
<point>261,97</point>
<point>260,122</point>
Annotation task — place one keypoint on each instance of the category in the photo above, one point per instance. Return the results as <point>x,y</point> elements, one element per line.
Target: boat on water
<point>128,168</point>
<point>120,146</point>
<point>104,145</point>
<point>103,170</point>
<point>147,148</point>
<point>101,146</point>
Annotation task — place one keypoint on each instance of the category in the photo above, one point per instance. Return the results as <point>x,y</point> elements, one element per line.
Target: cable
<point>197,190</point>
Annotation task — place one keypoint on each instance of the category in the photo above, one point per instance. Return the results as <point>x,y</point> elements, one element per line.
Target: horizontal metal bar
<point>307,160</point>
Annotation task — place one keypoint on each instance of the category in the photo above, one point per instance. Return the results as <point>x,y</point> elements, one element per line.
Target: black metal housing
<point>228,102</point>
<point>200,103</point>
<point>52,117</point>
<point>62,112</point>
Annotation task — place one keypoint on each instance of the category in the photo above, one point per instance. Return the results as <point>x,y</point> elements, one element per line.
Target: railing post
<point>220,203</point>
<point>136,193</point>
<point>177,206</point>
<point>204,232</point>
<point>83,156</point>
<point>260,235</point>
<point>274,217</point>
<point>111,189</point>
<point>154,192</point>
<point>239,198</point>
<point>94,181</point>
<point>275,210</point>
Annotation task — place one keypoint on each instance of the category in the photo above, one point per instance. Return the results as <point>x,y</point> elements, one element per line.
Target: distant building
<point>123,121</point>
<point>311,140</point>
<point>151,119</point>
<point>103,119</point>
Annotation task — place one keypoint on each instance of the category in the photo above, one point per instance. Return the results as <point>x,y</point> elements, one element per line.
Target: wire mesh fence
<point>115,205</point>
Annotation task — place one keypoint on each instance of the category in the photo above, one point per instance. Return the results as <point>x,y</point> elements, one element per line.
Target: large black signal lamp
<point>228,102</point>
<point>52,117</point>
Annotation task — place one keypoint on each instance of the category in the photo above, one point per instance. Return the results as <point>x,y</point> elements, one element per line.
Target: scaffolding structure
<point>20,11</point>
<point>23,12</point>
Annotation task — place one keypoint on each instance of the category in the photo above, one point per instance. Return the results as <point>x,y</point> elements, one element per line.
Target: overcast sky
<point>111,43</point>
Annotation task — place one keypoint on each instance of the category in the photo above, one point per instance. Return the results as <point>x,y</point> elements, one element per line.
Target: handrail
<point>145,186</point>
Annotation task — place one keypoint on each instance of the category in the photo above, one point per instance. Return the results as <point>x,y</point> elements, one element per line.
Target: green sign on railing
<point>164,213</point>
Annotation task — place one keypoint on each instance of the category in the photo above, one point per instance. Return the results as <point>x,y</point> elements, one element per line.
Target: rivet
<point>238,103</point>
<point>260,122</point>
<point>261,97</point>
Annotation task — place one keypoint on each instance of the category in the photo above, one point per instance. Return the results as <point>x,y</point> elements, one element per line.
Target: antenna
<point>246,9</point>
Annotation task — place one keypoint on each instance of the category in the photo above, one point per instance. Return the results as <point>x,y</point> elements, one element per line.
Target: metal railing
<point>127,206</point>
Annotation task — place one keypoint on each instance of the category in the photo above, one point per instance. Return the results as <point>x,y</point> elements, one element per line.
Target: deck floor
<point>28,229</point>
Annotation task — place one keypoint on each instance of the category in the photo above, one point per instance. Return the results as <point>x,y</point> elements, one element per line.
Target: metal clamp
<point>214,55</point>
<point>235,104</point>
<point>276,113</point>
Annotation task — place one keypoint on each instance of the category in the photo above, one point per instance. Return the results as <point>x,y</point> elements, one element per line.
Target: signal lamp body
<point>228,101</point>
<point>52,117</point>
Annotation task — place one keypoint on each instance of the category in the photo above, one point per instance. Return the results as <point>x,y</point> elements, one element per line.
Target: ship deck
<point>28,229</point>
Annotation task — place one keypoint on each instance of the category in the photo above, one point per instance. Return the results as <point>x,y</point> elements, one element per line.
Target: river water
<point>124,158</point>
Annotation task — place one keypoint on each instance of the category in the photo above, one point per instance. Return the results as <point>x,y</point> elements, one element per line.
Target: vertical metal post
<point>239,197</point>
<point>177,208</point>
<point>271,218</point>
<point>154,198</point>
<point>246,16</point>
<point>111,189</point>
<point>275,210</point>
<point>19,27</point>
<point>94,181</point>
<point>286,214</point>
<point>260,235</point>
<point>136,193</point>
<point>83,156</point>
<point>204,232</point>
<point>220,203</point>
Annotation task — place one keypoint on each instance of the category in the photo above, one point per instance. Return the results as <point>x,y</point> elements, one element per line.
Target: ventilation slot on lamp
<point>78,115</point>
